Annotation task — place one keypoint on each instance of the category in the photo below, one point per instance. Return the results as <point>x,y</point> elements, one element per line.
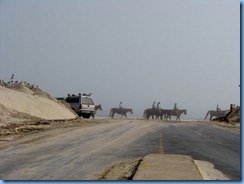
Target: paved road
<point>80,153</point>
<point>203,142</point>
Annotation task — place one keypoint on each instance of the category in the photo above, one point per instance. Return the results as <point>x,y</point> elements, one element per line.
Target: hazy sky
<point>134,51</point>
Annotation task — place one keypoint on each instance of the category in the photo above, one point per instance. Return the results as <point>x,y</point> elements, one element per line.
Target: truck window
<point>72,100</point>
<point>87,101</point>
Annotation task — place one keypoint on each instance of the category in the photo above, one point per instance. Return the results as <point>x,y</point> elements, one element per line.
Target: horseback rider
<point>153,105</point>
<point>120,107</point>
<point>158,107</point>
<point>217,108</point>
<point>175,107</point>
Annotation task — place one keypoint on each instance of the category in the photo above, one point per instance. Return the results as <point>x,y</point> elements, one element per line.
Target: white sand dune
<point>25,101</point>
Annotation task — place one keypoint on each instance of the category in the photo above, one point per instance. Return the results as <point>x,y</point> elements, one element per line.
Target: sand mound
<point>31,103</point>
<point>21,88</point>
<point>235,115</point>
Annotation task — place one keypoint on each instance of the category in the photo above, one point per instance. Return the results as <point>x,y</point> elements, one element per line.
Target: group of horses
<point>163,114</point>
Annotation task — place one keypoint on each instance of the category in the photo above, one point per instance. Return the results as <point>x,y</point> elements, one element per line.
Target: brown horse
<point>164,113</point>
<point>96,108</point>
<point>151,112</point>
<point>176,113</point>
<point>217,114</point>
<point>120,111</point>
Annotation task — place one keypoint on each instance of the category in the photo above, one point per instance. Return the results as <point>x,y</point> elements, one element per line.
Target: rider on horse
<point>217,108</point>
<point>158,107</point>
<point>121,107</point>
<point>175,107</point>
<point>153,105</point>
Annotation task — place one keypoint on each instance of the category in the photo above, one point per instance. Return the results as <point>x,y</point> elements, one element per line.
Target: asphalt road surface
<point>82,152</point>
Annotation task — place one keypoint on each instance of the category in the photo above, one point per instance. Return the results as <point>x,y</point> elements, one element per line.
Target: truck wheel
<point>79,114</point>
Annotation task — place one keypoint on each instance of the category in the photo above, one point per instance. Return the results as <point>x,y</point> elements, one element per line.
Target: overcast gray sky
<point>134,51</point>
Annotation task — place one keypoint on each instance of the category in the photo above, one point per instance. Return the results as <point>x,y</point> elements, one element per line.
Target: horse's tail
<point>110,113</point>
<point>144,114</point>
<point>207,114</point>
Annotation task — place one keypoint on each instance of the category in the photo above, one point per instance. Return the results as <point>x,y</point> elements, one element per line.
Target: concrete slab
<point>208,171</point>
<point>167,167</point>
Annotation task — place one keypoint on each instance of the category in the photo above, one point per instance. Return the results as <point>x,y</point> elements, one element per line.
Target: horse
<point>96,108</point>
<point>120,111</point>
<point>176,113</point>
<point>216,113</point>
<point>164,113</point>
<point>151,112</point>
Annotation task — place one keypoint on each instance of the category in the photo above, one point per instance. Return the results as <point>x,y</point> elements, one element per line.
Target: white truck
<point>83,105</point>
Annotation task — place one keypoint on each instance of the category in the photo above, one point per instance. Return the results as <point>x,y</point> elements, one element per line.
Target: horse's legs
<point>168,117</point>
<point>177,117</point>
<point>206,115</point>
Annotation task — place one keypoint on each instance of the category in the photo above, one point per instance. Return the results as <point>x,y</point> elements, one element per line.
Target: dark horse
<point>216,113</point>
<point>176,113</point>
<point>164,113</point>
<point>96,108</point>
<point>150,112</point>
<point>120,111</point>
